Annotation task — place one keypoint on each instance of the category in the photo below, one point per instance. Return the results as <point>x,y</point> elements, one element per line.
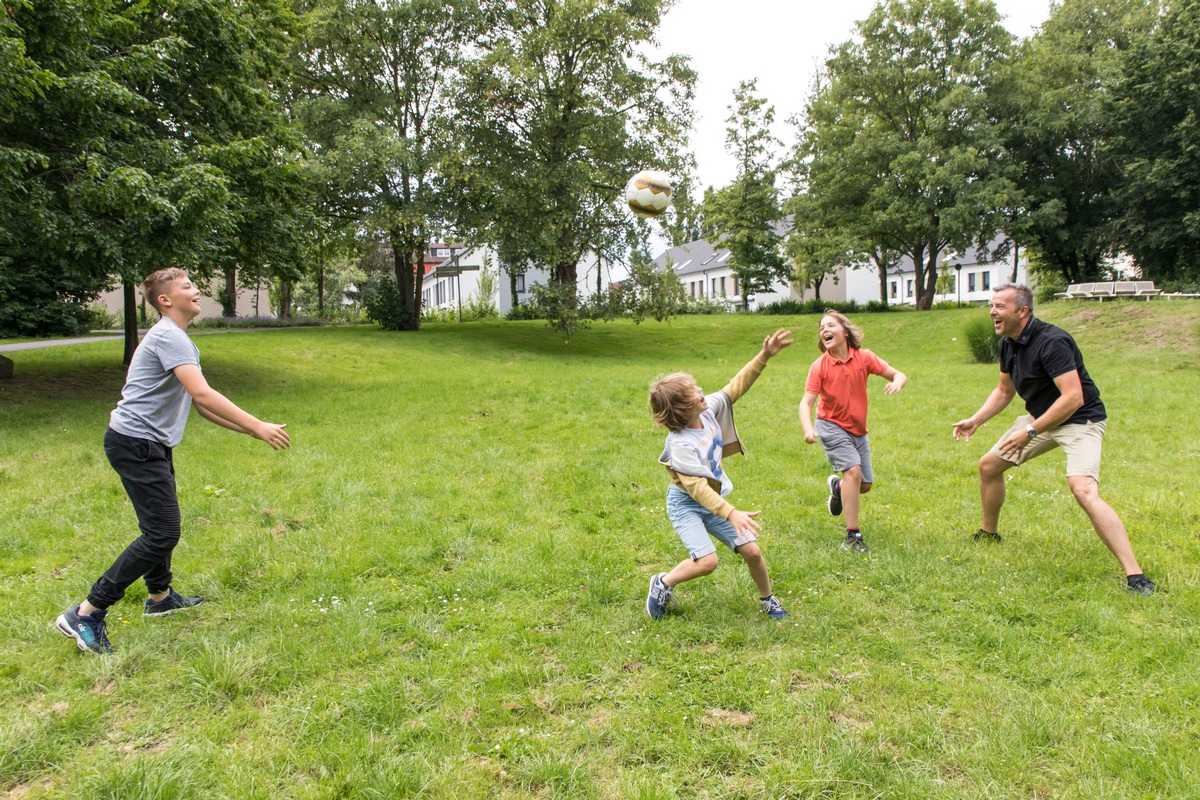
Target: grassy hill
<point>438,591</point>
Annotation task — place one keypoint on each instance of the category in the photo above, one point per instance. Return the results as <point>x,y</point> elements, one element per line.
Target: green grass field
<point>439,591</point>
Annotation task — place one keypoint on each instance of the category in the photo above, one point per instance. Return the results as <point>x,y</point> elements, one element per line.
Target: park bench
<point>1076,290</point>
<point>1109,289</point>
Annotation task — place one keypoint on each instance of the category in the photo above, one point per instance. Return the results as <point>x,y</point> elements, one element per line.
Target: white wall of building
<point>443,291</point>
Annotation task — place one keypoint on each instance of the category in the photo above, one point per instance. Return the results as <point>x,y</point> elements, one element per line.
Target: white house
<point>705,273</point>
<point>455,281</point>
<point>974,276</point>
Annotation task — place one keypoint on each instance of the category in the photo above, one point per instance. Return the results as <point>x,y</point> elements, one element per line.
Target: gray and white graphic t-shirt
<point>154,404</point>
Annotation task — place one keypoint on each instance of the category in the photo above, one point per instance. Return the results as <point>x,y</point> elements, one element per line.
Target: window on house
<point>714,287</point>
<point>908,287</point>
<point>736,293</point>
<point>723,286</point>
<point>987,281</point>
<point>442,252</point>
<point>520,284</point>
<point>893,289</point>
<point>971,282</point>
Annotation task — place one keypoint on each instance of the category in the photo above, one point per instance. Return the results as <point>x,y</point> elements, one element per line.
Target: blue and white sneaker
<point>170,604</point>
<point>773,608</point>
<point>658,597</point>
<point>89,633</point>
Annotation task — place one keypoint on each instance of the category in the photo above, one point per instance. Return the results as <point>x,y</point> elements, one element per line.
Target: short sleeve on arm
<point>874,364</point>
<point>175,349</point>
<point>813,384</point>
<point>1058,358</point>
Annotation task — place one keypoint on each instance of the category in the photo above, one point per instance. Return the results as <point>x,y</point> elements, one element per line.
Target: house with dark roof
<point>705,273</point>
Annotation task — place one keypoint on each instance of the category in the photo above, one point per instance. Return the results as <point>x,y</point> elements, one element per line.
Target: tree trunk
<point>406,263</point>
<point>131,320</point>
<point>321,290</point>
<point>883,297</point>
<point>229,293</point>
<point>1016,261</point>
<point>926,281</point>
<point>285,298</point>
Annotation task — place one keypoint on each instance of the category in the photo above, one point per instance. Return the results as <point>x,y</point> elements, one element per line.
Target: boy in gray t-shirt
<point>164,381</point>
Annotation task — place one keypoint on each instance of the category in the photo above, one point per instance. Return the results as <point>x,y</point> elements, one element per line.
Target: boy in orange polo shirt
<point>839,378</point>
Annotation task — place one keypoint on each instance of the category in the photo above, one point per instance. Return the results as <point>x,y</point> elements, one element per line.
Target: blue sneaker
<point>834,503</point>
<point>658,597</point>
<point>89,633</point>
<point>773,608</point>
<point>173,602</point>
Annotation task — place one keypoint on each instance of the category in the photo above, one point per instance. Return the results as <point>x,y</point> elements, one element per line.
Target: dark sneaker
<point>854,543</point>
<point>658,597</point>
<point>773,608</point>
<point>170,604</point>
<point>1141,585</point>
<point>89,633</point>
<point>834,503</point>
<point>986,536</point>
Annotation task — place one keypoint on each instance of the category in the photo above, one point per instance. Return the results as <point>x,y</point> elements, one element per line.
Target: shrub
<point>383,303</point>
<point>813,306</point>
<point>99,319</point>
<point>216,323</point>
<point>525,310</point>
<point>982,340</point>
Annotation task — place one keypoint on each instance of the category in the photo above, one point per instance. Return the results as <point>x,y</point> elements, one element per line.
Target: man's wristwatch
<point>1029,430</point>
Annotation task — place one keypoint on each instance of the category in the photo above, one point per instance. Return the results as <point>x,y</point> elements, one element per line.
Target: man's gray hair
<point>1024,295</point>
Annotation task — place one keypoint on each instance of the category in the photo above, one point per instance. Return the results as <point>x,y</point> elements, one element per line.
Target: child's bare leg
<point>687,569</point>
<point>851,489</point>
<point>757,564</point>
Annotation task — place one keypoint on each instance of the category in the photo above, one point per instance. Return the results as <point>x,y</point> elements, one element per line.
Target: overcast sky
<point>779,42</point>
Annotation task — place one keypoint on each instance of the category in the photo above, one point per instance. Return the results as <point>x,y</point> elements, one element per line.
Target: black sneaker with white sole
<point>854,543</point>
<point>173,602</point>
<point>986,536</point>
<point>834,503</point>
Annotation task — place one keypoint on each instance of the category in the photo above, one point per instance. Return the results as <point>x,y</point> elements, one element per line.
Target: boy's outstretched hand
<point>273,434</point>
<point>776,342</point>
<point>743,521</point>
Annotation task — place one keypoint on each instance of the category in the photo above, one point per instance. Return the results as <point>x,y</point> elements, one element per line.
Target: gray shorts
<point>845,450</point>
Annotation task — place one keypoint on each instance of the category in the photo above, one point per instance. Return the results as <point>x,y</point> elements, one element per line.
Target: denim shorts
<point>845,450</point>
<point>693,522</point>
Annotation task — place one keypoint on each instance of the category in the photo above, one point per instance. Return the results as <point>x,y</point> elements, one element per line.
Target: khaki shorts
<point>1081,442</point>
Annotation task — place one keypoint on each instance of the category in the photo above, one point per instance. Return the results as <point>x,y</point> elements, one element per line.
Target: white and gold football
<point>648,193</point>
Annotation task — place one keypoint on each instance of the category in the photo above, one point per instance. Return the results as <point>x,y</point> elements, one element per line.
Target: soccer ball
<point>648,193</point>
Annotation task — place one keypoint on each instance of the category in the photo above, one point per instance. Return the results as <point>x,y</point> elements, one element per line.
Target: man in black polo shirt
<point>1041,363</point>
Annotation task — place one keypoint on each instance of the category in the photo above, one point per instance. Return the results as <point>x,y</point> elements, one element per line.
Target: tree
<point>1060,105</point>
<point>131,141</point>
<point>745,214</point>
<point>904,131</point>
<point>555,114</point>
<point>378,108</point>
<point>1158,139</point>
